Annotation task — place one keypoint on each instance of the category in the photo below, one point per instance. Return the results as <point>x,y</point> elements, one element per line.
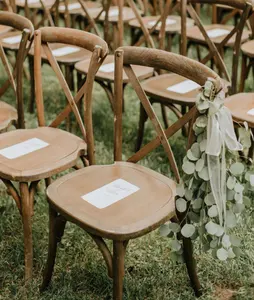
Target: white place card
<point>65,51</point>
<point>213,33</point>
<point>111,13</point>
<point>251,112</point>
<point>12,39</point>
<point>110,193</point>
<point>71,6</point>
<point>183,87</point>
<point>30,1</point>
<point>107,68</point>
<point>169,21</point>
<point>23,148</point>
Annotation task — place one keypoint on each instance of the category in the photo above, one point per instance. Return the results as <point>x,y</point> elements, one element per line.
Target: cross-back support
<point>99,49</point>
<point>214,51</point>
<point>19,23</point>
<point>158,59</point>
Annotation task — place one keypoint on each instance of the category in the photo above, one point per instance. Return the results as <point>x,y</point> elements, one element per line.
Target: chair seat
<point>4,29</point>
<point>248,48</point>
<point>34,4</point>
<point>194,34</point>
<point>11,40</point>
<point>128,14</point>
<point>106,72</point>
<point>240,106</point>
<point>134,215</point>
<point>61,152</point>
<point>156,87</point>
<point>67,59</point>
<point>8,115</point>
<point>173,23</point>
<point>74,7</point>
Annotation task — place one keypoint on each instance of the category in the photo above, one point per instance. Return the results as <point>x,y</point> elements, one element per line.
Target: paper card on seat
<point>30,1</point>
<point>183,87</point>
<point>71,6</point>
<point>107,68</point>
<point>65,51</point>
<point>213,33</point>
<point>23,148</point>
<point>110,193</point>
<point>111,13</point>
<point>251,112</point>
<point>12,39</point>
<point>169,21</point>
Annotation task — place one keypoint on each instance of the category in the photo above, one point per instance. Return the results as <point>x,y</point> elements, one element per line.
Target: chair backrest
<point>15,76</point>
<point>78,38</point>
<point>125,57</point>
<point>215,51</point>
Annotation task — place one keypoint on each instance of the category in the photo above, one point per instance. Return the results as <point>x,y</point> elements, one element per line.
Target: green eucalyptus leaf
<point>200,164</point>
<point>188,167</point>
<point>202,121</point>
<point>237,251</point>
<point>206,247</point>
<point>214,243</point>
<point>203,145</point>
<point>247,201</point>
<point>238,208</point>
<point>235,241</point>
<point>212,211</point>
<point>190,183</point>
<point>203,174</point>
<point>164,230</point>
<point>188,230</point>
<point>209,199</point>
<point>211,227</point>
<point>239,187</point>
<point>188,194</point>
<point>195,149</point>
<point>252,180</point>
<point>191,156</point>
<point>175,227</point>
<point>222,254</point>
<point>238,197</point>
<point>230,195</point>
<point>237,168</point>
<point>197,203</point>
<point>175,245</point>
<point>226,243</point>
<point>231,254</point>
<point>220,231</point>
<point>231,182</point>
<point>195,218</point>
<point>180,190</point>
<point>181,205</point>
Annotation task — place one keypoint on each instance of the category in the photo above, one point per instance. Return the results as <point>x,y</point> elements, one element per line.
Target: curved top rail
<point>74,37</point>
<point>239,4</point>
<point>16,21</point>
<point>172,62</point>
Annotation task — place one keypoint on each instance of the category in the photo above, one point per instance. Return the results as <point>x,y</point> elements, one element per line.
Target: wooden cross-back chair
<point>163,26</point>
<point>52,150</point>
<point>151,198</point>
<point>172,89</point>
<point>78,13</point>
<point>23,28</point>
<point>105,75</point>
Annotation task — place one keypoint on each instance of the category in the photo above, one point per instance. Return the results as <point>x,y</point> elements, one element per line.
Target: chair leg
<point>27,228</point>
<point>56,230</point>
<point>142,119</point>
<point>118,269</point>
<point>191,266</point>
<point>243,73</point>
<point>164,116</point>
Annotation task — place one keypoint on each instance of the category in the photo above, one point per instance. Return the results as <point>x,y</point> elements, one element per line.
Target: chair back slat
<point>98,48</point>
<point>125,57</point>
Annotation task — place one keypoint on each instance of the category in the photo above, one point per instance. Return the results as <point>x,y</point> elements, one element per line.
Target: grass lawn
<point>80,272</point>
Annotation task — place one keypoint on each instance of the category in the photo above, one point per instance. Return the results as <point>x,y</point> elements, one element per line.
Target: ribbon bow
<point>220,134</point>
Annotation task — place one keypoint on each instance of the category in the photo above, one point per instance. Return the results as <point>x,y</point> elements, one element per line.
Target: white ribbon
<point>220,134</point>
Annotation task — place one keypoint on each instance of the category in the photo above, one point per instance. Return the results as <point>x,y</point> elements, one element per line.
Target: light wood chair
<point>23,31</point>
<point>172,89</point>
<point>28,156</point>
<point>149,201</point>
<point>105,76</point>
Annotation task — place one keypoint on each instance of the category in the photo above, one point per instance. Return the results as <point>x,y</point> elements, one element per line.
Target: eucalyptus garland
<point>195,197</point>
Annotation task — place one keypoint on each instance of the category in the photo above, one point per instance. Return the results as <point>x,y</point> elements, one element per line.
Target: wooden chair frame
<point>27,184</point>
<point>125,57</point>
<point>15,77</point>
